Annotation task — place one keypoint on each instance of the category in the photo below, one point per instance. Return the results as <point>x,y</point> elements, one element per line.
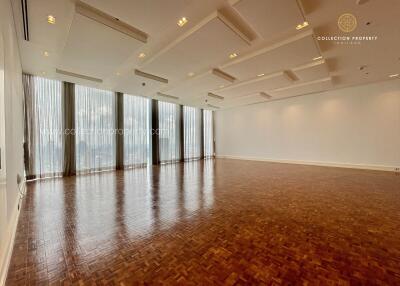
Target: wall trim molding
<point>313,163</point>
<point>5,257</point>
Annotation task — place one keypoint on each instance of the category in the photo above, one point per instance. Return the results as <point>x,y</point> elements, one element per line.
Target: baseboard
<point>315,163</point>
<point>5,256</point>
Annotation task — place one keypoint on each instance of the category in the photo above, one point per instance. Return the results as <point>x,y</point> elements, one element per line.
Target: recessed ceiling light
<point>182,21</point>
<point>233,55</point>
<point>118,73</point>
<point>43,73</point>
<point>317,58</point>
<point>221,86</point>
<point>261,74</point>
<point>46,53</point>
<point>142,55</point>
<point>51,19</point>
<point>394,75</point>
<point>302,25</point>
<point>191,74</point>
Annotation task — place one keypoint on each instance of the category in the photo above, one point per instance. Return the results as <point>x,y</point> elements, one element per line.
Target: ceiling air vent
<point>167,96</point>
<point>151,76</point>
<point>81,76</point>
<point>290,75</point>
<point>25,23</point>
<point>215,96</point>
<point>267,96</point>
<point>223,75</point>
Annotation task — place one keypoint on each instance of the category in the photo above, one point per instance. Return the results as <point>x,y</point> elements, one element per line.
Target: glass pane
<point>208,134</point>
<point>136,130</point>
<point>48,128</point>
<point>168,131</point>
<point>95,129</point>
<point>192,132</point>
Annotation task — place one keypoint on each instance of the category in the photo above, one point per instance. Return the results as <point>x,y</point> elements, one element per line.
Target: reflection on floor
<point>216,222</point>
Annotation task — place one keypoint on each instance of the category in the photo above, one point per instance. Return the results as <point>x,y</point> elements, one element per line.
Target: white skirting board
<point>313,163</point>
<point>5,254</point>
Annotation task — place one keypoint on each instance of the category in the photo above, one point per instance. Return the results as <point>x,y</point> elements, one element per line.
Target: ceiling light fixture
<point>317,58</point>
<point>221,86</point>
<point>182,21</point>
<point>142,55</point>
<point>302,25</point>
<point>233,55</point>
<point>191,74</point>
<point>51,19</point>
<point>261,74</point>
<point>118,73</point>
<point>43,73</point>
<point>46,53</point>
<point>394,75</point>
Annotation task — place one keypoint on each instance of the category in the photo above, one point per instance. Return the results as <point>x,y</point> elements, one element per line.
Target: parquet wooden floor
<point>218,222</point>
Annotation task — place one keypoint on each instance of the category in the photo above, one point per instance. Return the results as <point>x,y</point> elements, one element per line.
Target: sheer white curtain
<point>208,133</point>
<point>136,130</point>
<point>192,132</point>
<point>95,129</point>
<point>43,103</point>
<point>168,132</point>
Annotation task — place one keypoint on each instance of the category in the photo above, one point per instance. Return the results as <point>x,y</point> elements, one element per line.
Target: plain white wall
<point>351,126</point>
<point>13,132</point>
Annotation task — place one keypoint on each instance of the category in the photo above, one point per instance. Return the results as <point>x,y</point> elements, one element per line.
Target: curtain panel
<point>192,132</point>
<point>168,132</point>
<point>44,128</point>
<point>69,129</point>
<point>136,131</point>
<point>95,132</point>
<point>208,130</point>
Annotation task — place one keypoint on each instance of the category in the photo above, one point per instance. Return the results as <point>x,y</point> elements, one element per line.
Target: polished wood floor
<point>221,222</point>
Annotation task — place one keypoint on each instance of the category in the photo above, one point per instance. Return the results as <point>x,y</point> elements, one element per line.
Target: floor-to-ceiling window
<point>44,126</point>
<point>95,129</point>
<point>136,130</point>
<point>95,115</point>
<point>168,132</point>
<point>208,133</point>
<point>192,132</point>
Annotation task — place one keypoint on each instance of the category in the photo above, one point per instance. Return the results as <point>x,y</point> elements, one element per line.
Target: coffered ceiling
<point>227,53</point>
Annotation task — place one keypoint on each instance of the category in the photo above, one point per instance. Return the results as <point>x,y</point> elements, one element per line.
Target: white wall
<point>11,130</point>
<point>356,126</point>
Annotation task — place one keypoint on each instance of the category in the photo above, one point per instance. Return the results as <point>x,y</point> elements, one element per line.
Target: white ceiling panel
<point>303,88</point>
<point>33,60</point>
<point>312,71</point>
<point>82,46</point>
<point>94,49</point>
<point>136,85</point>
<point>270,17</point>
<point>279,57</point>
<point>197,52</point>
<point>157,17</point>
<point>198,85</point>
<point>262,84</point>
